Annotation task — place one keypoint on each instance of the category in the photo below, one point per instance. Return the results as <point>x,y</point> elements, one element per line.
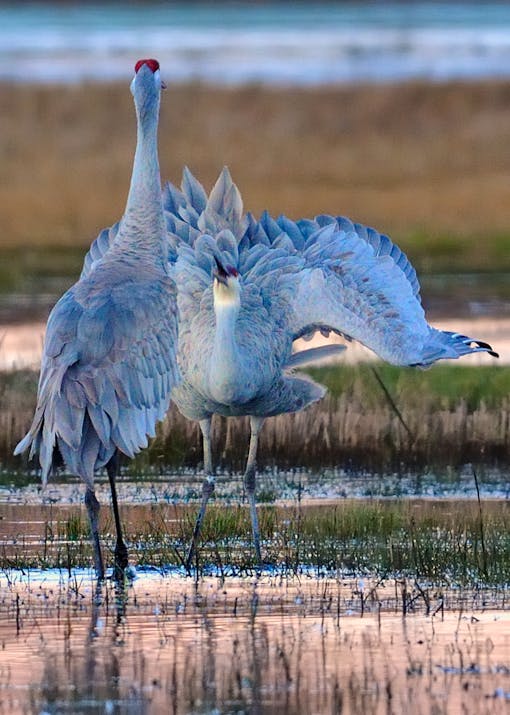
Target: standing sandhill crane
<point>247,289</point>
<point>109,357</point>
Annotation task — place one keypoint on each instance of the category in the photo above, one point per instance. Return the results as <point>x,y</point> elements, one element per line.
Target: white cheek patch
<point>225,295</point>
<point>132,85</point>
<point>157,79</point>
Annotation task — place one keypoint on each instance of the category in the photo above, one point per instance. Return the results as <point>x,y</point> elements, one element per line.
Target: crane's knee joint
<point>208,487</point>
<point>91,502</point>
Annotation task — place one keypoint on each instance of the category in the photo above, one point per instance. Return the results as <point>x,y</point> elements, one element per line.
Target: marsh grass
<point>453,415</point>
<point>17,401</point>
<point>439,543</point>
<point>422,162</point>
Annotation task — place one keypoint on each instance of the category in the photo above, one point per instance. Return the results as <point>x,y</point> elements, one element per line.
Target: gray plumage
<point>109,357</point>
<point>108,368</point>
<point>328,274</point>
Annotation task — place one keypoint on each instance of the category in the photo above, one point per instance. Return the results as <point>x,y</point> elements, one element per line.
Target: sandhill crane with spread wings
<point>109,357</point>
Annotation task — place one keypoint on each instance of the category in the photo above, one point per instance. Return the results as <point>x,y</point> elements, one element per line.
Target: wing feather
<point>99,248</point>
<point>356,282</point>
<point>101,388</point>
<point>193,191</point>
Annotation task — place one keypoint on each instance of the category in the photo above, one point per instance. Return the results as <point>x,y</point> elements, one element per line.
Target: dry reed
<point>337,432</point>
<point>355,429</point>
<point>421,161</point>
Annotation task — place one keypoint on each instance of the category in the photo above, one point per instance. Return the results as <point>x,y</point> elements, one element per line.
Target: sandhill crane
<point>246,289</point>
<point>109,357</point>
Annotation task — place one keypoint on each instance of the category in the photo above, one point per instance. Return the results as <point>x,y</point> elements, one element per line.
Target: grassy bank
<point>449,416</point>
<point>423,162</point>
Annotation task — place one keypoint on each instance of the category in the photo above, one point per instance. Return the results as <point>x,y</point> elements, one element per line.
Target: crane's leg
<point>121,552</point>
<point>249,482</point>
<point>93,508</point>
<point>207,489</point>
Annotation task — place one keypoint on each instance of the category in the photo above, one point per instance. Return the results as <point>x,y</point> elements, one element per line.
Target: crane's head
<point>146,85</point>
<point>226,286</point>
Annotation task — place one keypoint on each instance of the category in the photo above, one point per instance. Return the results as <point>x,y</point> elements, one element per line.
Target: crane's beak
<point>219,272</point>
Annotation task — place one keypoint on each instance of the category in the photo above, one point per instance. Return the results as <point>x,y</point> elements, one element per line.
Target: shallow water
<point>171,644</point>
<point>243,646</point>
<point>283,486</point>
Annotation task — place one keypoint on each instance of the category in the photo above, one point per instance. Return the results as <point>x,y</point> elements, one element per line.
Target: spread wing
<point>189,213</point>
<point>356,282</point>
<point>109,365</point>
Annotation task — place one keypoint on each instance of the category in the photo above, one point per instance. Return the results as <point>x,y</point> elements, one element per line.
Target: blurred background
<point>396,114</point>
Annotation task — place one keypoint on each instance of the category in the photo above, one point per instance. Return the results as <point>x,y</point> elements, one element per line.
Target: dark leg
<point>249,482</point>
<point>121,552</point>
<point>93,508</point>
<point>207,490</point>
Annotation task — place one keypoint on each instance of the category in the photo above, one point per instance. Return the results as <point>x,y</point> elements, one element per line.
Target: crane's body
<point>94,397</point>
<point>246,343</point>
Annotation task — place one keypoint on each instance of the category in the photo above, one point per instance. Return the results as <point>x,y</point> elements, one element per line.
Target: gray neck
<point>226,383</point>
<point>143,228</point>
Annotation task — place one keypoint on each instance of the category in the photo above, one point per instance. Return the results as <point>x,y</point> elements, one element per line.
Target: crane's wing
<point>109,365</point>
<point>356,282</point>
<point>189,213</point>
<point>99,248</point>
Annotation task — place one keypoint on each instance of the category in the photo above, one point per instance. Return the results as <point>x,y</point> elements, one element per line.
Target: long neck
<point>226,362</point>
<point>143,228</point>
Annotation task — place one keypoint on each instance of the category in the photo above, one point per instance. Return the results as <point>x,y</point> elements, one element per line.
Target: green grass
<point>41,269</point>
<point>433,251</point>
<point>34,269</point>
<point>443,387</point>
<point>442,543</point>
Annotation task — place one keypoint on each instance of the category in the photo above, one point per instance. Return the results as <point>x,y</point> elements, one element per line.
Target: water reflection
<point>247,646</point>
